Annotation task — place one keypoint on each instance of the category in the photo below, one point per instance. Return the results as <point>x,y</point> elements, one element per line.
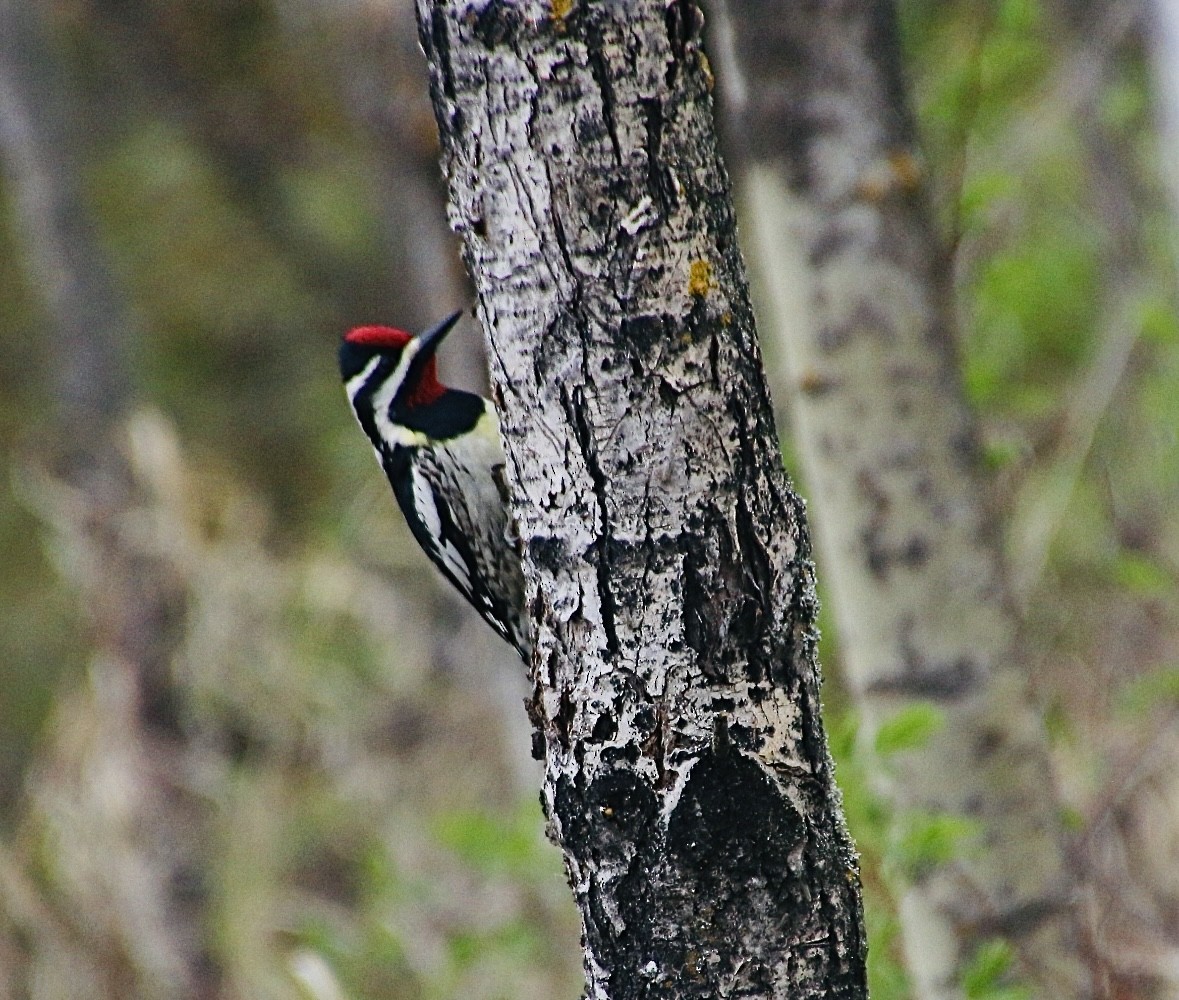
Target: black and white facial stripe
<point>441,452</point>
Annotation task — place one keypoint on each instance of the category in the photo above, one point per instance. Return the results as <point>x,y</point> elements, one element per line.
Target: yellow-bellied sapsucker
<point>441,451</point>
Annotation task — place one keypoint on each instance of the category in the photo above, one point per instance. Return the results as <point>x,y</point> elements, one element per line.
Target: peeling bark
<point>667,562</point>
<point>857,289</point>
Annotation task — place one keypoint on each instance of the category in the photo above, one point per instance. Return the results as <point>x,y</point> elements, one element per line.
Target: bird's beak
<point>430,340</point>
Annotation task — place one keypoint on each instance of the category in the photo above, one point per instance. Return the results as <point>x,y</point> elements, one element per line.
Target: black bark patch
<point>685,22</point>
<point>659,178</point>
<point>759,618</point>
<point>574,403</point>
<point>702,321</point>
<point>714,357</point>
<point>830,241</point>
<point>920,677</point>
<point>726,620</point>
<point>604,728</point>
<point>497,24</point>
<point>563,720</point>
<point>436,43</point>
<point>613,817</point>
<point>731,809</point>
<point>548,553</point>
<point>669,395</point>
<point>745,738</point>
<point>683,900</point>
<point>933,681</point>
<point>646,334</point>
<point>701,611</point>
<point>599,67</point>
<point>533,706</point>
<point>734,851</point>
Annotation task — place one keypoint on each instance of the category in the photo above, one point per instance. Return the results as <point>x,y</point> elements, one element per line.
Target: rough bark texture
<point>666,557</point>
<point>856,288</point>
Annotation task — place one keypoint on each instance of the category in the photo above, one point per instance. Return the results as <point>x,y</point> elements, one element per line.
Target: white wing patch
<point>448,555</point>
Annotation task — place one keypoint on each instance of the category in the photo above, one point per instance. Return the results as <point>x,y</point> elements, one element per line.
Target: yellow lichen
<point>700,279</point>
<point>706,68</point>
<point>906,169</point>
<point>815,383</point>
<point>900,172</point>
<point>560,9</point>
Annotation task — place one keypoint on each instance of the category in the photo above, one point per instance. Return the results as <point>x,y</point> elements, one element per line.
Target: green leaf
<point>999,454</point>
<point>909,729</point>
<point>1153,690</point>
<point>1018,15</point>
<point>1160,325</point>
<point>988,964</point>
<point>928,839</point>
<point>1123,104</point>
<point>980,193</point>
<point>1072,819</point>
<point>493,843</point>
<point>983,977</point>
<point>1142,575</point>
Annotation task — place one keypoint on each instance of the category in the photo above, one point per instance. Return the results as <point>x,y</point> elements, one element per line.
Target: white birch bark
<point>1164,51</point>
<point>856,290</point>
<point>687,778</point>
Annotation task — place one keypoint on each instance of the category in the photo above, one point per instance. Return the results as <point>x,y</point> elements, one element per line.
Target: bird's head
<point>390,370</point>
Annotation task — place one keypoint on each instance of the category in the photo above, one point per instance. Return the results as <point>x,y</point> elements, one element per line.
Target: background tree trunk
<point>1163,38</point>
<point>687,776</point>
<point>857,290</point>
<point>127,869</point>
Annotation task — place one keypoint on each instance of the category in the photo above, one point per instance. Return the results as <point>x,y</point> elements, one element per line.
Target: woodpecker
<point>441,451</point>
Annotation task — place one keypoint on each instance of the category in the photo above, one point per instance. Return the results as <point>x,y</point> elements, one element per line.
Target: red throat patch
<point>426,388</point>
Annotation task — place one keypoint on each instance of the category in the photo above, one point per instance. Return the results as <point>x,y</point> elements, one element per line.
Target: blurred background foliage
<point>248,746</point>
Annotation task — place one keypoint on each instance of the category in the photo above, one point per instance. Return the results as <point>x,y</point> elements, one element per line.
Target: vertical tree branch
<point>667,561</point>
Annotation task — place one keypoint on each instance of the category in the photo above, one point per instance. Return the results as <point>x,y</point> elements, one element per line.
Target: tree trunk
<point>676,702</point>
<point>857,289</point>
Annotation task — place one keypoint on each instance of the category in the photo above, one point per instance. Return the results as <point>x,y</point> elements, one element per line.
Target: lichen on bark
<point>666,556</point>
